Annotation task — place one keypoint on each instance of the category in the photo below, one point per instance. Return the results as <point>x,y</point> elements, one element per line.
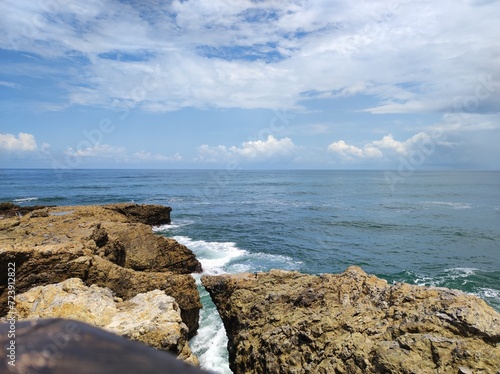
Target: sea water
<point>437,228</point>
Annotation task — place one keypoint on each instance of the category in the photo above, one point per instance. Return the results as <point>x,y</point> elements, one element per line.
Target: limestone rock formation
<point>59,346</point>
<point>104,245</point>
<point>152,318</point>
<point>288,322</point>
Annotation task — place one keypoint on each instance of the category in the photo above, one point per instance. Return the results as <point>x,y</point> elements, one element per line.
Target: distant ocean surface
<point>437,228</point>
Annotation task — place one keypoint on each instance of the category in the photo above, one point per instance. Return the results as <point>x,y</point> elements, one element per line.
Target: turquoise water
<point>434,228</point>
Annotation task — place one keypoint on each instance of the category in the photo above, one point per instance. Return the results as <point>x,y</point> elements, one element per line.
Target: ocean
<point>439,228</point>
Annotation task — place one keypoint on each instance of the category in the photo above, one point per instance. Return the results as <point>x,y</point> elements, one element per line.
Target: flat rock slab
<point>288,322</point>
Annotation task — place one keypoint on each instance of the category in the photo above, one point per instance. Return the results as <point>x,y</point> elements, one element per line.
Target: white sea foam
<point>171,226</point>
<point>25,199</point>
<point>490,293</point>
<point>449,204</point>
<point>214,256</point>
<point>210,343</point>
<point>460,272</point>
<point>218,258</point>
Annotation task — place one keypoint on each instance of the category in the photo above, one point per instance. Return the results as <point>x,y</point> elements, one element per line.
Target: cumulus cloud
<point>350,152</point>
<point>258,150</point>
<point>389,147</point>
<point>22,142</point>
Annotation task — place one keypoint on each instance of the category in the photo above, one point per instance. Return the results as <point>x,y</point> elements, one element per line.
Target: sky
<point>223,84</point>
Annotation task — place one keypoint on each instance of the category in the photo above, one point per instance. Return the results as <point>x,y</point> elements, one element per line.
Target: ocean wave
<point>25,200</point>
<point>164,229</point>
<point>218,258</point>
<point>466,279</point>
<point>448,204</point>
<point>210,343</point>
<point>214,256</point>
<point>265,261</point>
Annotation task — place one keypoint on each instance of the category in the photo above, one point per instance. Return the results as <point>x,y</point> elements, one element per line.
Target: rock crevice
<point>288,322</point>
<point>110,246</point>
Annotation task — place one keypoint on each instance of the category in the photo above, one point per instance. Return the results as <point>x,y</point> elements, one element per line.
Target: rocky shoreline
<point>104,265</point>
<point>98,264</point>
<point>288,322</point>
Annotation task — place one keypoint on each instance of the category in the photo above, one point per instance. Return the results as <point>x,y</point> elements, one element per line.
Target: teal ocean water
<point>437,228</point>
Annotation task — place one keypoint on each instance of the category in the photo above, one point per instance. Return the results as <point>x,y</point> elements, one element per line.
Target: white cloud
<point>103,152</point>
<point>23,142</point>
<point>388,142</point>
<point>407,55</point>
<point>350,152</point>
<point>148,156</point>
<point>9,84</point>
<point>258,150</point>
<point>391,148</point>
<point>98,151</point>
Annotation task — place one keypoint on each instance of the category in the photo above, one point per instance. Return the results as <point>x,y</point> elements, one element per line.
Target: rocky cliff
<point>287,322</point>
<point>110,246</point>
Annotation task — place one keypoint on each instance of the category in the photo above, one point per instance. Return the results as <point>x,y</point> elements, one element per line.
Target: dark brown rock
<point>8,209</point>
<point>288,322</point>
<point>59,346</point>
<point>152,215</point>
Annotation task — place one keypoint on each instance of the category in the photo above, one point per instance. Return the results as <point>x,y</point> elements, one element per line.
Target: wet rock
<point>288,322</point>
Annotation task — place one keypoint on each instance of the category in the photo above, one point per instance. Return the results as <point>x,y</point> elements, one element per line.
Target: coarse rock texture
<point>152,318</point>
<point>8,209</point>
<point>288,322</point>
<point>108,245</point>
<point>59,346</point>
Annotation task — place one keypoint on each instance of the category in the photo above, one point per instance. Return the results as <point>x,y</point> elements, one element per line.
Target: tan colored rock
<point>152,318</point>
<point>105,231</point>
<point>42,266</point>
<point>96,244</point>
<point>288,322</point>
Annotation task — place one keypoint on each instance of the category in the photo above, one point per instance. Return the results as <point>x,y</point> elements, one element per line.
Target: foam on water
<point>210,343</point>
<point>448,204</point>
<point>25,200</point>
<point>214,256</point>
<point>169,227</point>
<point>466,279</point>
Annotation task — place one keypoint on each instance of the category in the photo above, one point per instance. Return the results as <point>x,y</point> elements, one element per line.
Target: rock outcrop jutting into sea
<point>288,322</point>
<point>112,247</point>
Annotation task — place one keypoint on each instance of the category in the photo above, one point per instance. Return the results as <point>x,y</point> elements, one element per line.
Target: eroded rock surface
<point>288,322</point>
<point>110,246</point>
<point>152,318</point>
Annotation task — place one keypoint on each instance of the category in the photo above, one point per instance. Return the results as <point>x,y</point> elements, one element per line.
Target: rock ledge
<point>111,246</point>
<point>288,322</point>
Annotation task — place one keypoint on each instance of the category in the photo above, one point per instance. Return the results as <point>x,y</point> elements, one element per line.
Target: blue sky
<point>250,84</point>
